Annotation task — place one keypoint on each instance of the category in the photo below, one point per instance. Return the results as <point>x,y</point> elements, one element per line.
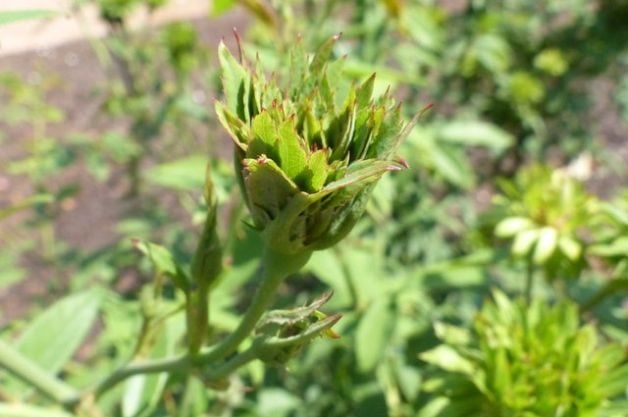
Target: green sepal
<point>268,188</point>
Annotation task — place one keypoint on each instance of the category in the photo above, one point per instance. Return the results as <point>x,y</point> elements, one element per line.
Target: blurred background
<point>517,181</point>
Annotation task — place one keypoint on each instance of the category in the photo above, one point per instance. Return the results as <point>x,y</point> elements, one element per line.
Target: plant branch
<point>276,267</point>
<point>170,365</point>
<point>31,373</point>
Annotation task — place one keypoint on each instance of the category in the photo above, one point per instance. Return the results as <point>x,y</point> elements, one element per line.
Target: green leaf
<point>318,169</point>
<point>452,165</point>
<point>452,335</point>
<point>164,262</point>
<point>322,55</point>
<point>524,241</point>
<point>291,150</point>
<point>447,358</point>
<point>546,244</point>
<point>361,173</point>
<point>187,174</point>
<point>221,6</point>
<point>237,129</point>
<point>51,339</point>
<point>570,247</point>
<point>143,393</point>
<point>475,133</point>
<point>12,16</point>
<point>234,80</point>
<point>373,333</point>
<point>513,225</point>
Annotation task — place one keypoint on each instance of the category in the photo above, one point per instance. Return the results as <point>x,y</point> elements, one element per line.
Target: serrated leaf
<point>53,337</point>
<point>546,244</point>
<point>372,334</point>
<point>292,154</point>
<point>234,80</point>
<point>512,226</point>
<point>317,171</point>
<point>322,55</point>
<point>365,92</point>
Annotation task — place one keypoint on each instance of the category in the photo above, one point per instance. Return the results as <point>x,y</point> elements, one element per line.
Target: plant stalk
<point>276,267</point>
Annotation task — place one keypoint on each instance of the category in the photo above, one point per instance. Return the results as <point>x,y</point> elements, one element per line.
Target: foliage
<point>525,360</point>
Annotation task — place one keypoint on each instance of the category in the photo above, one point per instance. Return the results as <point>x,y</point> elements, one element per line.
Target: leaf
<point>221,6</point>
<point>475,133</point>
<point>452,165</point>
<point>447,358</point>
<point>317,171</point>
<point>51,339</point>
<point>234,80</point>
<point>512,226</point>
<point>12,16</point>
<point>546,244</point>
<point>187,174</point>
<point>570,247</point>
<point>452,335</point>
<point>164,262</point>
<point>360,173</point>
<point>524,241</point>
<point>373,334</point>
<point>143,393</point>
<point>322,54</point>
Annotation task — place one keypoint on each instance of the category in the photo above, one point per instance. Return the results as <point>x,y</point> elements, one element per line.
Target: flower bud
<point>306,163</point>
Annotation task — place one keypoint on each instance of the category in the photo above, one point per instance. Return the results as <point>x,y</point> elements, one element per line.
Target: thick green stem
<point>276,267</point>
<point>29,372</point>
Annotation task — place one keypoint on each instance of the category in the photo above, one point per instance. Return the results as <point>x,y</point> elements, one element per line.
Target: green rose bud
<point>307,161</point>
